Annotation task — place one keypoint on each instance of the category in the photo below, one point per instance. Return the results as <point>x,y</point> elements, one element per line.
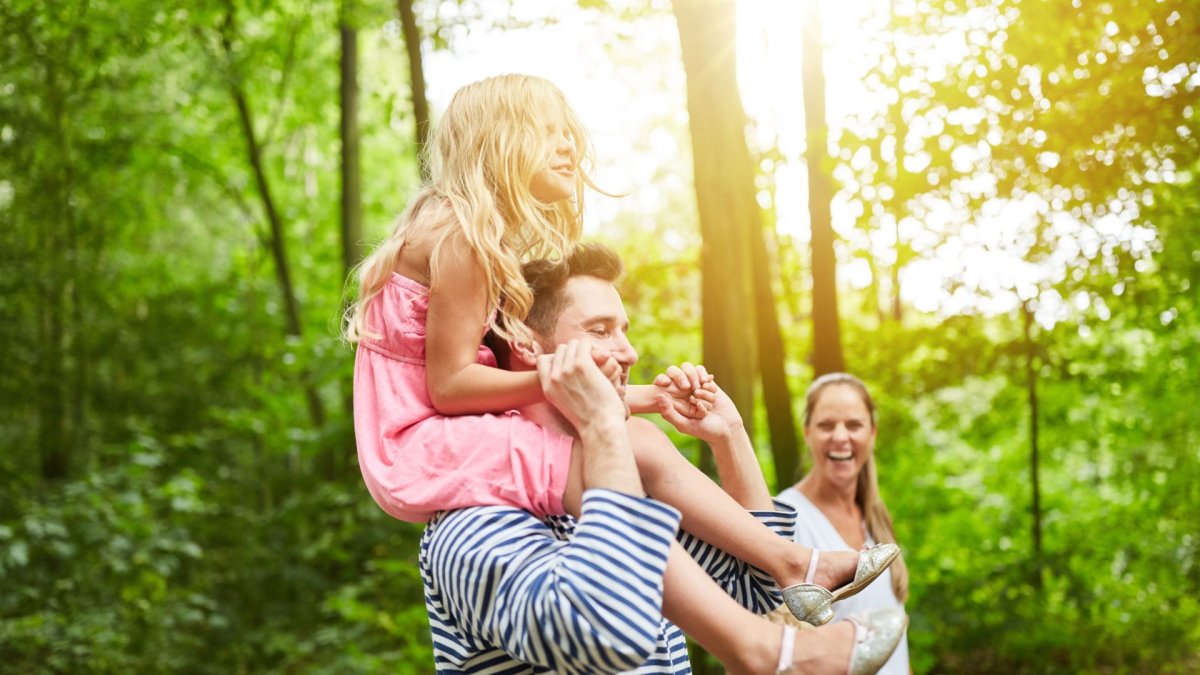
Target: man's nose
<point>625,353</point>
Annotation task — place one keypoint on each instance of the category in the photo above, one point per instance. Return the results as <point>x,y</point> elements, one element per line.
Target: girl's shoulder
<point>429,223</point>
<point>432,219</point>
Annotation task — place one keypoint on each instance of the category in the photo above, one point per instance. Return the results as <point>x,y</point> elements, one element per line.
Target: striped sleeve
<point>500,586</point>
<point>750,586</point>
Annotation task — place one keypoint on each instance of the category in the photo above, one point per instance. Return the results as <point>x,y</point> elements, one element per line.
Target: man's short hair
<point>548,279</point>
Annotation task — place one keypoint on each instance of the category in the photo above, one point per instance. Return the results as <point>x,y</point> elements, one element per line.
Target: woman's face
<point>840,434</point>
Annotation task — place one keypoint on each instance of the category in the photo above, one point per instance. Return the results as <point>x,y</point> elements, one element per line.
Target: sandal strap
<point>786,649</point>
<point>812,566</point>
<point>860,634</point>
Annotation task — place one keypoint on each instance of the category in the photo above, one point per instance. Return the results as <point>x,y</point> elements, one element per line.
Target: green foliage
<point>162,503</point>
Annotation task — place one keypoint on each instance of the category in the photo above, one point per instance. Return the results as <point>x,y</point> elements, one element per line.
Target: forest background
<point>987,209</point>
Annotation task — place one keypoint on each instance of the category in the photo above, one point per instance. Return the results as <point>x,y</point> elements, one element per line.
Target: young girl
<point>435,421</point>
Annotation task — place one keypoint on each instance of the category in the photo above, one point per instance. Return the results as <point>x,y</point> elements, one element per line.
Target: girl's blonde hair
<point>491,141</point>
<point>879,521</point>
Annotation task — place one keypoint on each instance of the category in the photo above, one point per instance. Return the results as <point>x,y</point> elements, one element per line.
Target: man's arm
<point>741,477</point>
<point>574,384</point>
<point>737,465</point>
<point>689,387</point>
<point>501,588</point>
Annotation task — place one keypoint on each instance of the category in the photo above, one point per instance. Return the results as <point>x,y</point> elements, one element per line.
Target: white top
<point>814,530</point>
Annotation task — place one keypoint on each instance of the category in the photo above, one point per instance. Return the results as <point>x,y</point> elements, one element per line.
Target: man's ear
<point>525,353</point>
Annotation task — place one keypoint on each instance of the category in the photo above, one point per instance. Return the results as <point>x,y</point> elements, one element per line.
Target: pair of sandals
<point>876,632</point>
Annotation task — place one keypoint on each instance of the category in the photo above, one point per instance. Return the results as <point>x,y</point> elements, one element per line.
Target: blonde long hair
<point>879,521</point>
<point>483,155</point>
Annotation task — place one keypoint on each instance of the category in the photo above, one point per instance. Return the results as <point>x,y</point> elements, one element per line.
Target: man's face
<point>594,314</point>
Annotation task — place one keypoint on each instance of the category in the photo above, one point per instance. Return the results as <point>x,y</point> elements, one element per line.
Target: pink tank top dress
<point>415,461</point>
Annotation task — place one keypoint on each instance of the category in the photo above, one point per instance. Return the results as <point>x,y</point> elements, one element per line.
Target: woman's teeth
<point>840,457</point>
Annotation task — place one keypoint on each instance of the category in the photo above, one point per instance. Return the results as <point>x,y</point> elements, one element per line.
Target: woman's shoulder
<point>812,526</point>
<point>794,498</point>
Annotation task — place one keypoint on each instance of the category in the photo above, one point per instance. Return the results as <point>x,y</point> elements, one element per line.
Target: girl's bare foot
<point>859,646</point>
<point>821,651</point>
<point>834,569</point>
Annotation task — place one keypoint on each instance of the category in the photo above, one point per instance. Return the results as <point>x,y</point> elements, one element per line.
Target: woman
<point>838,502</point>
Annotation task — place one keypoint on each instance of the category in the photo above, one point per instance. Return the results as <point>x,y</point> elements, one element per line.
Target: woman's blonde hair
<point>879,521</point>
<point>491,141</point>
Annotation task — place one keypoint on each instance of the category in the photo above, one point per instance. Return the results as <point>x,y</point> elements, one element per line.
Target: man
<point>508,592</point>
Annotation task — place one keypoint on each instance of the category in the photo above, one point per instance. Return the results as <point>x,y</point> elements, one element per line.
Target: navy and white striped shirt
<point>508,592</point>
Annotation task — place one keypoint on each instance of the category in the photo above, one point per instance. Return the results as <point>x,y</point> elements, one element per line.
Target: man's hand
<point>690,389</point>
<point>609,367</point>
<point>719,424</point>
<point>573,383</point>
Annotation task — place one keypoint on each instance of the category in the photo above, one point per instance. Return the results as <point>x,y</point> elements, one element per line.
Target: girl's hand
<point>722,421</point>
<point>611,369</point>
<point>689,389</point>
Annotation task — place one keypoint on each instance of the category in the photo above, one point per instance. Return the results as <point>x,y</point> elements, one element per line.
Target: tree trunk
<point>724,179</point>
<point>57,327</point>
<point>416,80</point>
<point>1031,392</point>
<point>875,303</point>
<point>827,341</point>
<point>897,308</point>
<point>894,111</point>
<point>772,366</point>
<point>351,204</point>
<point>52,432</point>
<point>293,325</point>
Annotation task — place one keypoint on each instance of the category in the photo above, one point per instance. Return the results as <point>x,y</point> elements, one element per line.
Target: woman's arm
<point>458,313</point>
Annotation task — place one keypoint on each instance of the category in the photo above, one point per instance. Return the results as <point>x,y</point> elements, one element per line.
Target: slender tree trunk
<point>351,204</point>
<point>897,308</point>
<point>772,367</point>
<point>876,303</point>
<point>293,325</point>
<point>52,432</point>
<point>353,248</point>
<point>895,112</point>
<point>56,411</point>
<point>827,341</point>
<point>1031,392</point>
<point>416,80</point>
<point>724,180</point>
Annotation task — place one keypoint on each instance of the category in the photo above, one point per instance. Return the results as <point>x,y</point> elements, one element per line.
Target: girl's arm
<point>458,306</point>
<point>690,388</point>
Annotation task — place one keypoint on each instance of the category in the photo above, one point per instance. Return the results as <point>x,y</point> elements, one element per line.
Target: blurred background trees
<point>1013,233</point>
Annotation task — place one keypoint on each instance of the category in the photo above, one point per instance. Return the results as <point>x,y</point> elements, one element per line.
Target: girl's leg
<point>744,642</point>
<point>712,515</point>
